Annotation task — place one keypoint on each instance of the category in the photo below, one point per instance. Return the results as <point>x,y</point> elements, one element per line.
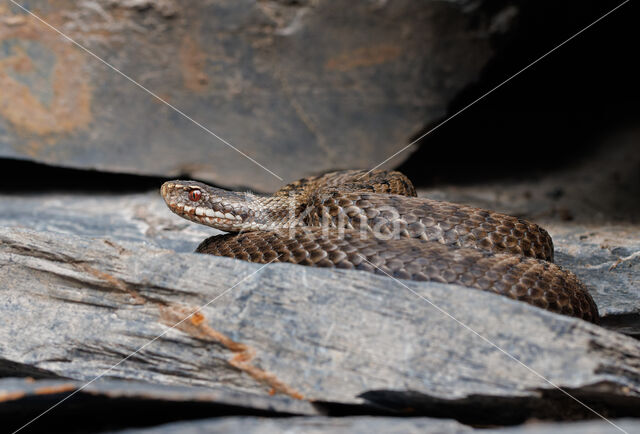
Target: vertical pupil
<point>194,195</point>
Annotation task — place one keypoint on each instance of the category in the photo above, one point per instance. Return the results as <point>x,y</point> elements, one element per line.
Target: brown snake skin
<point>374,222</point>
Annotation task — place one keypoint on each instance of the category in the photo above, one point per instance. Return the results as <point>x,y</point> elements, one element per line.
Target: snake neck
<point>272,212</point>
<point>311,201</point>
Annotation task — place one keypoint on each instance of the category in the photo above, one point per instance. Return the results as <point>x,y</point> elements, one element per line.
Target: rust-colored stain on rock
<point>197,319</point>
<point>49,390</point>
<point>10,396</point>
<point>55,389</point>
<point>363,57</point>
<point>193,61</point>
<point>45,87</point>
<point>243,354</point>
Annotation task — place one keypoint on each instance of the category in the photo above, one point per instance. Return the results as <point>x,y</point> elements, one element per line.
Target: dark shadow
<point>480,410</point>
<point>85,412</point>
<point>17,176</point>
<point>551,115</point>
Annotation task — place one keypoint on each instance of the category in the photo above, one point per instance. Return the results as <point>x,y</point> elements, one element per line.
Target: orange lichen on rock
<point>192,64</point>
<point>197,319</point>
<point>362,57</point>
<point>10,396</point>
<point>243,354</point>
<point>51,390</point>
<point>69,108</point>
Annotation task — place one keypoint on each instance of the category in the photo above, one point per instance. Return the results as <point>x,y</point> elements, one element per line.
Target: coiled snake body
<point>373,222</point>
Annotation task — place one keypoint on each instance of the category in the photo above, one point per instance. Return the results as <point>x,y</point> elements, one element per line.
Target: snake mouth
<point>210,207</point>
<point>206,216</point>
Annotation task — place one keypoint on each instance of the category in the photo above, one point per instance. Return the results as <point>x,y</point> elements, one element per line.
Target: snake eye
<point>195,195</point>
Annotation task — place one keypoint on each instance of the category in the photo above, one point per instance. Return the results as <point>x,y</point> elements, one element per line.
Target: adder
<point>373,221</point>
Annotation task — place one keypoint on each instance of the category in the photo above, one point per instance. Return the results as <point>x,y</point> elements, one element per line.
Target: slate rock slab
<point>608,259</point>
<point>78,305</point>
<point>366,425</point>
<point>356,425</point>
<point>592,211</point>
<point>139,218</point>
<point>604,256</point>
<point>112,404</point>
<point>299,87</point>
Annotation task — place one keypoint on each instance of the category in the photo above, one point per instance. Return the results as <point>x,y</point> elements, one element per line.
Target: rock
<point>590,210</point>
<point>366,425</point>
<point>310,425</point>
<point>608,259</point>
<point>139,218</point>
<point>602,256</point>
<point>22,400</point>
<point>79,304</point>
<point>299,87</point>
<point>592,427</point>
<point>168,409</point>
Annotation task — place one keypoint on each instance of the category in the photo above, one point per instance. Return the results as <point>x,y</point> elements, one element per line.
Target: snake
<point>373,221</point>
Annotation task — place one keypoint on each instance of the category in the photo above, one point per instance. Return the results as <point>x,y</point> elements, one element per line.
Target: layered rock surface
<point>79,305</point>
<point>298,87</point>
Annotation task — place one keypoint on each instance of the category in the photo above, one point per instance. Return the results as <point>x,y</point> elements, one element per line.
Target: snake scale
<point>373,221</point>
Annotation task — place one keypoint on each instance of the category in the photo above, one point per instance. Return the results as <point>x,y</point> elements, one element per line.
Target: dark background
<point>549,116</point>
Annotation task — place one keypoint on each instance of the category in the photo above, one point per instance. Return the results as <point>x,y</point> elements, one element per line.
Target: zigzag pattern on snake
<point>374,222</point>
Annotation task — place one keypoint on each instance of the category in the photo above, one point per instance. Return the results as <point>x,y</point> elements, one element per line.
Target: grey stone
<point>139,218</point>
<point>365,425</point>
<point>17,389</point>
<point>356,425</point>
<point>605,257</point>
<point>613,426</point>
<point>299,87</point>
<point>591,211</point>
<point>67,405</point>
<point>78,305</point>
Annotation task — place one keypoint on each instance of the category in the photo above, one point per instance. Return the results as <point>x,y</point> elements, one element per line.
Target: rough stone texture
<point>356,425</point>
<point>79,304</point>
<point>15,389</point>
<point>128,403</point>
<point>613,426</point>
<point>140,218</point>
<point>592,211</point>
<point>365,425</point>
<point>86,280</point>
<point>169,409</point>
<point>300,87</point>
<point>608,258</point>
<point>603,256</point>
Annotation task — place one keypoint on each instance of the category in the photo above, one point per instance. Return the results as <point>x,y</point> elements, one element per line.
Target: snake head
<point>225,210</point>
